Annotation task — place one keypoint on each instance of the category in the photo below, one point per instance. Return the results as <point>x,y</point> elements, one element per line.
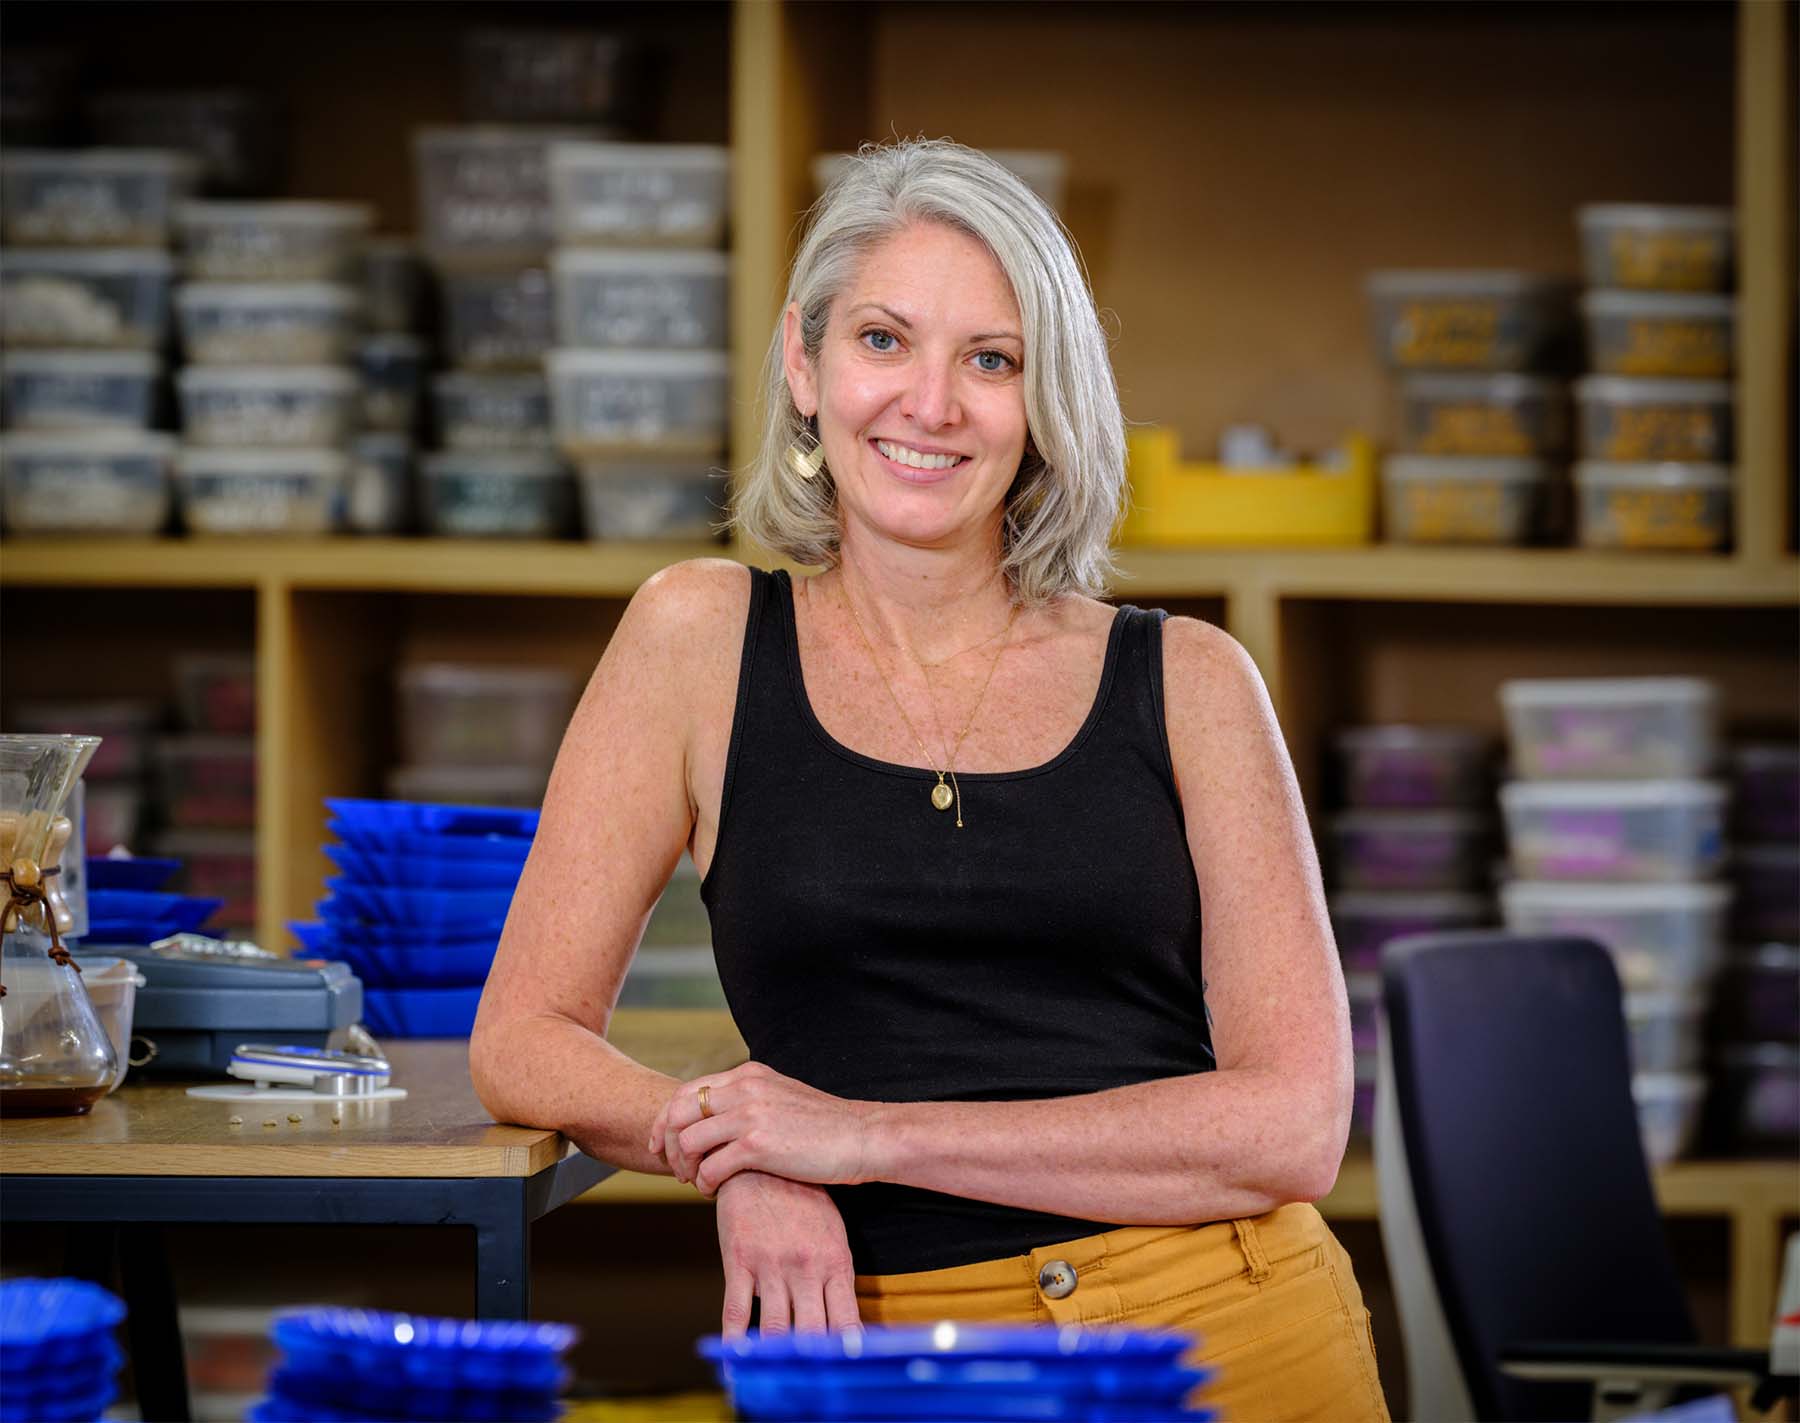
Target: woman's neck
<point>928,603</point>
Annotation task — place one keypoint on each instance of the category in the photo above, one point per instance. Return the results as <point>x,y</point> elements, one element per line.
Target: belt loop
<point>1251,1245</point>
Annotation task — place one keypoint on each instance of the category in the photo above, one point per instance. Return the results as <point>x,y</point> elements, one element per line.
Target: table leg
<point>157,1361</point>
<point>503,1262</point>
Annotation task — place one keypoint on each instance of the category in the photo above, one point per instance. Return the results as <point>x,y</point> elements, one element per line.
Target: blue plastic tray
<point>760,1404</point>
<point>441,909</point>
<point>386,1394</point>
<point>337,924</point>
<point>421,1012</point>
<point>498,849</point>
<point>175,913</point>
<point>497,1354</point>
<point>961,1341</point>
<point>1097,1380</point>
<point>105,873</point>
<point>417,872</point>
<point>55,1321</point>
<point>87,1407</point>
<point>390,817</point>
<point>403,966</point>
<point>62,1390</point>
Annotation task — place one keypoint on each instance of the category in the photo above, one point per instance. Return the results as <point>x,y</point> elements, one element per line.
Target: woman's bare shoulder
<point>692,609</point>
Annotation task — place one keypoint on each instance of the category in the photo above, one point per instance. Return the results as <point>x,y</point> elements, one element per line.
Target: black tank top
<point>868,947</point>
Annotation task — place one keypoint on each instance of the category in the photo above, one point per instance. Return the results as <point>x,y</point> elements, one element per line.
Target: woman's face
<point>919,389</point>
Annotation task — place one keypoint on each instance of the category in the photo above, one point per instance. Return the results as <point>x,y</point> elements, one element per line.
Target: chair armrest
<point>1590,1360</point>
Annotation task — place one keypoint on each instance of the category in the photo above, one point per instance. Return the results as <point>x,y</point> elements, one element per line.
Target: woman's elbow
<point>1319,1152</point>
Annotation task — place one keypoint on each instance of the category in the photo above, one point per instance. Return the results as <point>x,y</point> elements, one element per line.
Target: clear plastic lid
<point>576,261</point>
<point>466,677</point>
<point>1636,898</point>
<point>101,160</point>
<point>1666,305</point>
<point>1396,736</point>
<point>96,261</point>
<point>1648,390</point>
<point>509,464</point>
<point>1626,795</point>
<point>146,364</point>
<point>391,346</point>
<point>1668,475</point>
<point>277,213</point>
<point>1680,1089</point>
<point>1454,469</point>
<point>688,157</point>
<point>321,379</point>
<point>668,365</point>
<point>453,384</point>
<point>448,138</point>
<point>1668,216</point>
<point>77,443</point>
<point>1776,756</point>
<point>1643,1004</point>
<point>1400,904</point>
<point>325,296</point>
<point>1414,822</point>
<point>1767,855</point>
<point>1499,388</point>
<point>1447,282</point>
<point>317,464</point>
<point>1605,691</point>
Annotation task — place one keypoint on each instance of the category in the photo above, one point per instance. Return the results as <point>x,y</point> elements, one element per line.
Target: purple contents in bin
<point>1365,920</point>
<point>1768,897</point>
<point>1767,789</point>
<point>1422,850</point>
<point>1759,996</point>
<point>1412,767</point>
<point>1760,1089</point>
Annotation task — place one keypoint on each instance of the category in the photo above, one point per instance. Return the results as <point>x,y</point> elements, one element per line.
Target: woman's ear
<point>795,366</point>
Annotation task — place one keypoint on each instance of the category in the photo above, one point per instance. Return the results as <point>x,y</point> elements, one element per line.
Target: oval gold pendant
<point>940,796</point>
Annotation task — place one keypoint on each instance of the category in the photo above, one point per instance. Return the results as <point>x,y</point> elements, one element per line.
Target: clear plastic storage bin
<point>272,241</point>
<point>1647,247</point>
<point>207,782</point>
<point>380,498</point>
<point>87,482</point>
<point>1759,1097</point>
<point>114,816</point>
<point>1517,415</point>
<point>1434,499</point>
<point>268,324</point>
<point>1399,767</point>
<point>1479,321</point>
<point>1627,420</point>
<point>393,374</point>
<point>666,403</point>
<point>393,285</point>
<point>1661,936</point>
<point>80,390</point>
<point>485,191</point>
<point>1665,507</point>
<point>640,194</point>
<point>1411,849</point>
<point>498,320</point>
<point>216,864</point>
<point>112,297</point>
<point>216,693</point>
<point>478,411</point>
<point>1612,728</point>
<point>123,726</point>
<point>1615,830</point>
<point>458,714</point>
<point>518,786</point>
<point>1660,333</point>
<point>1758,995</point>
<point>276,492</point>
<point>313,406</point>
<point>1664,1031</point>
<point>552,75</point>
<point>639,501</point>
<point>1668,1110</point>
<point>95,197</point>
<point>636,298</point>
<point>1766,790</point>
<point>1364,920</point>
<point>516,494</point>
<point>1768,893</point>
<point>232,132</point>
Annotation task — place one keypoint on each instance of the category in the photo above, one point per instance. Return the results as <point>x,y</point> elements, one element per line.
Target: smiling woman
<point>956,821</point>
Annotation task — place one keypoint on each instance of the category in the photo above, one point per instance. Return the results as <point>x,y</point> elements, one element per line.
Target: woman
<point>957,820</point>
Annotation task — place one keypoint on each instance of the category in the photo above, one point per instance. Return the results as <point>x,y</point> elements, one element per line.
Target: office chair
<point>1523,1235</point>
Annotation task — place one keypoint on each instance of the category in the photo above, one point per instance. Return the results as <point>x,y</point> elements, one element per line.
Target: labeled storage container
<point>269,324</point>
<point>1615,830</point>
<point>519,786</point>
<point>274,492</point>
<point>1664,1031</point>
<point>95,197</point>
<point>1398,767</point>
<point>547,76</point>
<point>1411,849</point>
<point>1478,321</point>
<point>1431,499</point>
<point>1759,1097</point>
<point>393,285</point>
<point>640,194</point>
<point>1655,248</point>
<point>637,298</point>
<point>1661,936</point>
<point>1628,420</point>
<point>1519,415</point>
<point>1766,790</point>
<point>216,693</point>
<point>232,133</point>
<point>393,374</point>
<point>1668,1109</point>
<point>463,714</point>
<point>1364,920</point>
<point>498,320</point>
<point>123,726</point>
<point>215,864</point>
<point>1612,728</point>
<point>497,494</point>
<point>645,501</point>
<point>207,782</point>
<point>276,406</point>
<point>111,297</point>
<point>478,411</point>
<point>1768,893</point>
<point>272,241</point>
<point>608,403</point>
<point>80,390</point>
<point>484,191</point>
<point>1664,507</point>
<point>1758,996</point>
<point>1660,333</point>
<point>380,496</point>
<point>87,482</point>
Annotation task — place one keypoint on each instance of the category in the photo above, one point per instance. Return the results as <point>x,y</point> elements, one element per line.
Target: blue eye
<point>1000,361</point>
<point>879,340</point>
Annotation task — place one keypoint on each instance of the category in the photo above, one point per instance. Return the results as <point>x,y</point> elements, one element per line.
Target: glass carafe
<point>55,1056</point>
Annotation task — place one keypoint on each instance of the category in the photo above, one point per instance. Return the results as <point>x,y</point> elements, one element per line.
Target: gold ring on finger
<point>706,1101</point>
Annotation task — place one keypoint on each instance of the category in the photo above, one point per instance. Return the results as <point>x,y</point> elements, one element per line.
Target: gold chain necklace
<point>942,797</point>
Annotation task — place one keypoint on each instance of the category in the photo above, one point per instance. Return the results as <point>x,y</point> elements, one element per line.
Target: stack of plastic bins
<point>1656,415</point>
<point>208,784</point>
<point>485,735</point>
<point>417,907</point>
<point>1484,412</point>
<point>638,380</point>
<point>84,314</point>
<point>1408,854</point>
<point>57,1352</point>
<point>1757,1012</point>
<point>393,357</point>
<point>347,1364</point>
<point>1616,835</point>
<point>114,796</point>
<point>964,1371</point>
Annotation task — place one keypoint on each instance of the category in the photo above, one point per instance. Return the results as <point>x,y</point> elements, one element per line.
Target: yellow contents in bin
<point>1208,504</point>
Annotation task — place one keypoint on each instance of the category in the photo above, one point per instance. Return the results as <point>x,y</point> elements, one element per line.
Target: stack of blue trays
<point>354,1365</point>
<point>418,908</point>
<point>127,905</point>
<point>962,1371</point>
<point>57,1353</point>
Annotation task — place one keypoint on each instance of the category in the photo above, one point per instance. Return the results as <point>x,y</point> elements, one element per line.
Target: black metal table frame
<point>132,1209</point>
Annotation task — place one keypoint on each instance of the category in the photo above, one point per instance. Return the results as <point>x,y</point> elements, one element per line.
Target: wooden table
<point>150,1156</point>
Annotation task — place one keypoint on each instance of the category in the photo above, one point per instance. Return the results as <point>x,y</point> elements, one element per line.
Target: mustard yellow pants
<point>1272,1298</point>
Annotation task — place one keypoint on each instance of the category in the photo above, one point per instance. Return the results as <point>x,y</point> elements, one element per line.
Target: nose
<point>930,399</point>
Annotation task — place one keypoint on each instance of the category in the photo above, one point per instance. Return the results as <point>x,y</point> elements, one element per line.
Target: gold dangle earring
<point>806,456</point>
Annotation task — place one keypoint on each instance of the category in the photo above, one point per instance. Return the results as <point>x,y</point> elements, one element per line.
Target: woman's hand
<point>762,1121</point>
<point>783,1242</point>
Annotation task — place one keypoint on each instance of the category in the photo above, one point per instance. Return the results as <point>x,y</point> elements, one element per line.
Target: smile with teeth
<point>913,459</point>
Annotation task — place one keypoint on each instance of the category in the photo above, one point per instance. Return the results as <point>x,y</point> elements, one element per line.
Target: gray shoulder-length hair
<point>1066,500</point>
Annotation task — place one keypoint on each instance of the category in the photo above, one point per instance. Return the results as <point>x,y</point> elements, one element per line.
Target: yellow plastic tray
<point>1206,504</point>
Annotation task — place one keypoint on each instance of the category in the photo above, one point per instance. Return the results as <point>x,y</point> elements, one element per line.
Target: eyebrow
<point>904,324</point>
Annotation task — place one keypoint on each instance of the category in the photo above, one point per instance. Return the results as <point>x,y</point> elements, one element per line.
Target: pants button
<point>1057,1279</point>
